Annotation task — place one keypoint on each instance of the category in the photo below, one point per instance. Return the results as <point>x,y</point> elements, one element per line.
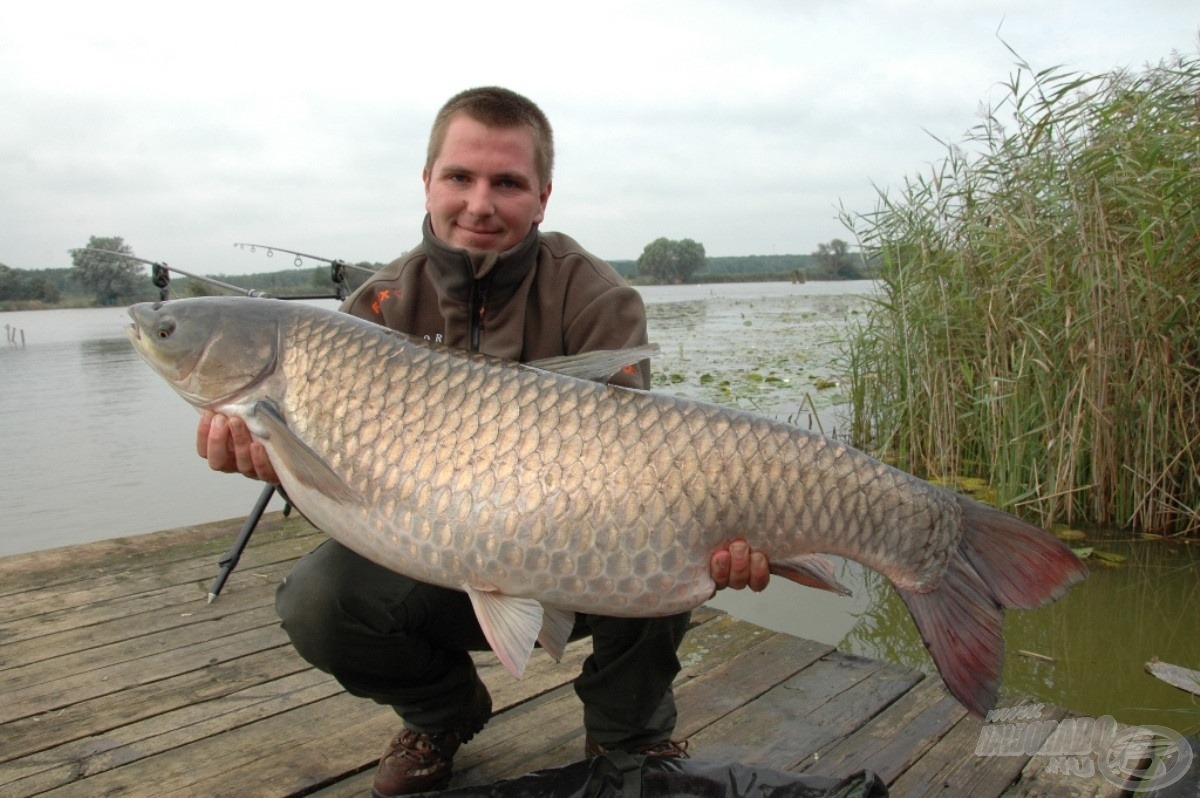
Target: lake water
<point>94,445</point>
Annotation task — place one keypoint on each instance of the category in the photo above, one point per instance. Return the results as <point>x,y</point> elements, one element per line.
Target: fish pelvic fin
<point>511,625</point>
<point>557,625</point>
<point>810,570</point>
<point>598,365</point>
<point>1001,563</point>
<point>299,458</point>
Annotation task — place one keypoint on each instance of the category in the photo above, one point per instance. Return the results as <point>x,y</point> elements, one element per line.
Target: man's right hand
<point>229,447</point>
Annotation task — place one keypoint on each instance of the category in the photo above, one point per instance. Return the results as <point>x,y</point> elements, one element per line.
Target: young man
<point>486,279</point>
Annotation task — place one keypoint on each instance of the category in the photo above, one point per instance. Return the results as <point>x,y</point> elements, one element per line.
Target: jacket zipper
<point>478,309</point>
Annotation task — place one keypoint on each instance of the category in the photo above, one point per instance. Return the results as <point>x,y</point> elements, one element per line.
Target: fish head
<point>211,350</point>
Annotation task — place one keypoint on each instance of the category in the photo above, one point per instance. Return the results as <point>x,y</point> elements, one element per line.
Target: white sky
<point>185,127</point>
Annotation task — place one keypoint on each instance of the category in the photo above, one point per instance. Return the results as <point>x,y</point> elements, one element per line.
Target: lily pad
<point>1066,533</point>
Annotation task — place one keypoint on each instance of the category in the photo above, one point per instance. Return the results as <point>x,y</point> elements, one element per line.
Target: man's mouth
<point>472,231</point>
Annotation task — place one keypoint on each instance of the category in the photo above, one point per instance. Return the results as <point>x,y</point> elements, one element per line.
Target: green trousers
<point>405,643</point>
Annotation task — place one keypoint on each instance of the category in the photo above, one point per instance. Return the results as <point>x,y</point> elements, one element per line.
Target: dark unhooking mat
<point>619,775</point>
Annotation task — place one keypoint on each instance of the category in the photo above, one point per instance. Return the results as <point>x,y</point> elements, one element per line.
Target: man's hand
<point>229,447</point>
<point>738,566</point>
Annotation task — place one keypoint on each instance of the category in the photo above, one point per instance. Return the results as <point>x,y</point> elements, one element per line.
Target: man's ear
<point>543,198</point>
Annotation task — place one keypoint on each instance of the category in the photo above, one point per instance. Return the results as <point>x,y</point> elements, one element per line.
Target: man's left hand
<point>738,566</point>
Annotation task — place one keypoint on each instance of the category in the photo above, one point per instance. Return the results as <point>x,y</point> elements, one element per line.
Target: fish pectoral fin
<point>557,625</point>
<point>301,460</point>
<point>810,570</point>
<point>510,624</point>
<point>598,365</point>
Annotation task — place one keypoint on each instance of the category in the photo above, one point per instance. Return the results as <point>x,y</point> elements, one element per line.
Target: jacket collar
<point>457,271</point>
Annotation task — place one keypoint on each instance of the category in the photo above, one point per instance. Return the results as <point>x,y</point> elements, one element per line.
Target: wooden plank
<point>103,717</point>
<point>54,567</point>
<point>744,676</point>
<point>155,734</point>
<point>93,626</point>
<point>196,768</point>
<point>1177,676</point>
<point>892,741</point>
<point>116,584</point>
<point>827,700</point>
<point>118,678</point>
<point>49,686</point>
<point>1051,772</point>
<point>275,748</point>
<point>550,734</point>
<point>951,767</point>
<point>554,717</point>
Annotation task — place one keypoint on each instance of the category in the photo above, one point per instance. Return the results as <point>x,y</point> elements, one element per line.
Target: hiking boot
<point>418,762</point>
<point>665,749</point>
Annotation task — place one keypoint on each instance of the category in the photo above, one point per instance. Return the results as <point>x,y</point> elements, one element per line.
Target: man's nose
<point>479,200</point>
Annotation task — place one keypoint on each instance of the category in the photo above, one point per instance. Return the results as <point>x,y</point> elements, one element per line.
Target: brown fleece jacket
<point>545,297</point>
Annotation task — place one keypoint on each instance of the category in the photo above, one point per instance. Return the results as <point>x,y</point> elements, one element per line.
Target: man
<point>484,278</point>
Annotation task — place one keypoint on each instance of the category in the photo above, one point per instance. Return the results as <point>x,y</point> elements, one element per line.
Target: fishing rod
<point>161,274</point>
<point>337,267</point>
<point>299,255</point>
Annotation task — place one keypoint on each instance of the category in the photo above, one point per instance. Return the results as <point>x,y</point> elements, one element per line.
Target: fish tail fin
<point>1001,562</point>
<point>1023,565</point>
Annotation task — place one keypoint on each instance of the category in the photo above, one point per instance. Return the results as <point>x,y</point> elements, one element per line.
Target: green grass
<point>1039,324</point>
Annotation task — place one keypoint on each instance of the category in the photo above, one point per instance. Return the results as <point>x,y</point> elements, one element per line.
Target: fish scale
<point>473,439</point>
<point>541,494</point>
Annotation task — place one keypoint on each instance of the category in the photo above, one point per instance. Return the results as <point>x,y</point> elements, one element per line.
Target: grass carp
<point>540,491</point>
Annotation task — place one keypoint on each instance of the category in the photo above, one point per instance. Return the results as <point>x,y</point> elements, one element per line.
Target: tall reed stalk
<point>1039,323</point>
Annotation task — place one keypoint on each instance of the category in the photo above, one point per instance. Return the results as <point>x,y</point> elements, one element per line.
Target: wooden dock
<point>118,678</point>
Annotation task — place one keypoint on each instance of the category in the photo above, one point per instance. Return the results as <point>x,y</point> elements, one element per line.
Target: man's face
<point>483,192</point>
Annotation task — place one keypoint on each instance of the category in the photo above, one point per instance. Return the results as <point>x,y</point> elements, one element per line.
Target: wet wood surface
<point>118,678</point>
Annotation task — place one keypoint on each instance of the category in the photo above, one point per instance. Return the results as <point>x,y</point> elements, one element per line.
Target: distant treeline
<point>33,288</point>
<point>746,268</point>
<point>289,282</point>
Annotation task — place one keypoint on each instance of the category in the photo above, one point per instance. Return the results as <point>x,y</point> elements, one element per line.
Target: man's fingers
<point>719,568</point>
<point>760,572</point>
<point>240,440</point>
<point>739,564</point>
<point>217,446</point>
<point>262,464</point>
<point>202,431</point>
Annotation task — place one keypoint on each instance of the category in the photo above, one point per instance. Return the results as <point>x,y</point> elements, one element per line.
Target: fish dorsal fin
<point>597,365</point>
<point>557,625</point>
<point>810,570</point>
<point>510,624</point>
<point>297,457</point>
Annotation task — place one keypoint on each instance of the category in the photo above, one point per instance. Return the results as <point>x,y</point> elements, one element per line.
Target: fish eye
<point>164,328</point>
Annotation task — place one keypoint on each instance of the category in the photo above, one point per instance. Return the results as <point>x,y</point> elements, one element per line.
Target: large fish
<point>540,491</point>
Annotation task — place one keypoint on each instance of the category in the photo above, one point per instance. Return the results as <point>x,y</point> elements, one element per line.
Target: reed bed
<point>1039,320</point>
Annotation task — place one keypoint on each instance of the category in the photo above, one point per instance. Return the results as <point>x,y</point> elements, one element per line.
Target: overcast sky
<point>744,124</point>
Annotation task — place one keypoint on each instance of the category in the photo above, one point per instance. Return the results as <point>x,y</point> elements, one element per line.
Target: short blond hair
<point>497,107</point>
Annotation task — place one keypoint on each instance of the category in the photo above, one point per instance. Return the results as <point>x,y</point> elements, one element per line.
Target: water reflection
<point>1086,652</point>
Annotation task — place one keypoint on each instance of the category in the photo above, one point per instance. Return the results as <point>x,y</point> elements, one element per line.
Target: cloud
<point>744,125</point>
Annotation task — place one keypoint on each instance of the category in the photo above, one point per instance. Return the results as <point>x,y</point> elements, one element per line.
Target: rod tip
<point>211,596</point>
